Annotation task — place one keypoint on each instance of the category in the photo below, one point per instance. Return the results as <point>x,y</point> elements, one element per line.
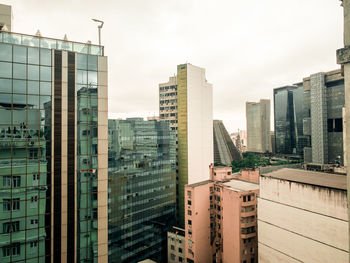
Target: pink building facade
<point>220,218</point>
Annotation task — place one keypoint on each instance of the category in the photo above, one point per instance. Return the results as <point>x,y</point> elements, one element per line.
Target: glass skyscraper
<point>53,150</point>
<point>141,163</point>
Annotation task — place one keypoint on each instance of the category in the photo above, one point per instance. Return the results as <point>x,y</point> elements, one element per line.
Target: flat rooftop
<point>241,186</point>
<point>200,183</point>
<point>310,177</point>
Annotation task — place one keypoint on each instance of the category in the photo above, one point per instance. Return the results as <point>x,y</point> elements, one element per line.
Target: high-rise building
<point>186,101</point>
<point>176,245</point>
<point>323,104</point>
<point>53,150</point>
<point>288,119</point>
<point>224,149</point>
<point>302,217</point>
<point>141,163</point>
<point>221,217</point>
<point>6,17</point>
<point>258,126</point>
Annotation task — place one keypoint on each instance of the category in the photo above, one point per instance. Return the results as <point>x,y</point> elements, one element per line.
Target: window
<point>172,256</point>
<point>6,181</point>
<point>244,252</point>
<point>10,227</point>
<point>14,250</point>
<point>180,250</point>
<point>252,260</point>
<point>189,222</point>
<point>189,202</point>
<point>172,247</point>
<point>252,250</point>
<point>189,193</point>
<point>34,221</point>
<point>14,181</point>
<point>189,212</point>
<point>338,125</point>
<point>36,178</point>
<point>180,259</point>
<point>34,244</point>
<point>11,204</point>
<point>189,232</point>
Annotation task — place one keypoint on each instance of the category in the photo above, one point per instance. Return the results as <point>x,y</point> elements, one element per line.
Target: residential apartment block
<point>186,101</point>
<point>176,245</point>
<point>221,217</point>
<point>303,217</point>
<point>141,163</point>
<point>258,126</point>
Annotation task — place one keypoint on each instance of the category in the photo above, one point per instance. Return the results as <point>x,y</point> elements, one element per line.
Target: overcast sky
<point>247,47</point>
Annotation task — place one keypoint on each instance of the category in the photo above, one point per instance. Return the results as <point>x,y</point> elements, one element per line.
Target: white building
<point>302,217</point>
<point>176,245</point>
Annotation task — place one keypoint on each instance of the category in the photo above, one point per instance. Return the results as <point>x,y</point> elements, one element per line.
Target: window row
<point>24,71</point>
<point>25,101</point>
<point>22,54</point>
<point>25,87</point>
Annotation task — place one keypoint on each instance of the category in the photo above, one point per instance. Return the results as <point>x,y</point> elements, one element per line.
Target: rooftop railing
<point>50,43</point>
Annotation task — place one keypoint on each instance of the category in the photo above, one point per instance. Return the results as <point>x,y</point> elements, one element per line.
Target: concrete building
<point>53,148</point>
<point>176,245</point>
<point>221,217</point>
<point>6,17</point>
<point>141,165</point>
<point>186,101</point>
<point>323,118</point>
<point>302,217</point>
<point>288,119</point>
<point>258,126</point>
<point>224,149</point>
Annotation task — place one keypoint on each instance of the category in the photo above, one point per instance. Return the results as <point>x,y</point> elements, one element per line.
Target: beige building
<point>6,17</point>
<point>186,101</point>
<point>302,217</point>
<point>221,218</point>
<point>258,126</point>
<point>176,245</point>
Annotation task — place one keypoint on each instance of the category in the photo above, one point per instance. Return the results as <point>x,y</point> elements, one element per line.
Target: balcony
<point>248,224</point>
<point>244,236</point>
<point>251,203</point>
<point>248,214</point>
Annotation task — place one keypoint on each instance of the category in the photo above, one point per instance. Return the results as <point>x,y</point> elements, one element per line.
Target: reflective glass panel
<point>92,77</point>
<point>19,100</point>
<point>33,72</point>
<point>64,45</point>
<point>5,70</point>
<point>92,62</point>
<point>33,55</point>
<point>48,43</point>
<point>33,87</point>
<point>33,102</point>
<point>81,61</point>
<point>81,48</point>
<point>5,100</point>
<point>19,54</point>
<point>45,88</point>
<point>5,52</point>
<point>45,73</point>
<point>30,41</point>
<point>11,38</point>
<point>19,71</point>
<point>19,86</point>
<point>5,85</point>
<point>45,57</point>
<point>45,101</point>
<point>81,77</point>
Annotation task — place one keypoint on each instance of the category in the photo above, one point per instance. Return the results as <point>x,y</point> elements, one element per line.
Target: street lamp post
<point>99,29</point>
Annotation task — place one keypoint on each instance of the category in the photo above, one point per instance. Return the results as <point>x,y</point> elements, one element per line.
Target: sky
<point>248,48</point>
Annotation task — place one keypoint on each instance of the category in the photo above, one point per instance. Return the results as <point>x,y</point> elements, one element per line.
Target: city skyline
<point>247,55</point>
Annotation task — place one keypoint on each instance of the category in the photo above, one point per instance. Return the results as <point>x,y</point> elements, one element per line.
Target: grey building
<point>142,183</point>
<point>224,149</point>
<point>288,121</point>
<point>323,120</point>
<point>258,126</point>
<point>53,140</point>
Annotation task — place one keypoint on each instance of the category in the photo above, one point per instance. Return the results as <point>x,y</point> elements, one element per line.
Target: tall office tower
<point>53,150</point>
<point>323,120</point>
<point>141,164</point>
<point>6,17</point>
<point>302,217</point>
<point>258,126</point>
<point>288,121</point>
<point>224,149</point>
<point>194,125</point>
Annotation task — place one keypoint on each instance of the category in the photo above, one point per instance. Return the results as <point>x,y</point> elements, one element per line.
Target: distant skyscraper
<point>141,162</point>
<point>323,120</point>
<point>6,17</point>
<point>288,119</point>
<point>258,126</point>
<point>193,119</point>
<point>53,150</point>
<point>224,149</point>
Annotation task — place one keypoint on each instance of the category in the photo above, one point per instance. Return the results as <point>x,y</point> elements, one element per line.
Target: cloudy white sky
<point>247,47</point>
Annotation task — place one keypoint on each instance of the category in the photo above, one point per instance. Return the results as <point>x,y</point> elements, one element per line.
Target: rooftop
<point>309,177</point>
<point>50,43</point>
<point>200,183</point>
<point>241,186</point>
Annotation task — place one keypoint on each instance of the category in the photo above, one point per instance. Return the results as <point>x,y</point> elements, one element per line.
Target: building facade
<point>141,162</point>
<point>224,149</point>
<point>323,118</point>
<point>176,245</point>
<point>288,119</point>
<point>303,209</point>
<point>186,101</point>
<point>221,217</point>
<point>258,126</point>
<point>53,150</point>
